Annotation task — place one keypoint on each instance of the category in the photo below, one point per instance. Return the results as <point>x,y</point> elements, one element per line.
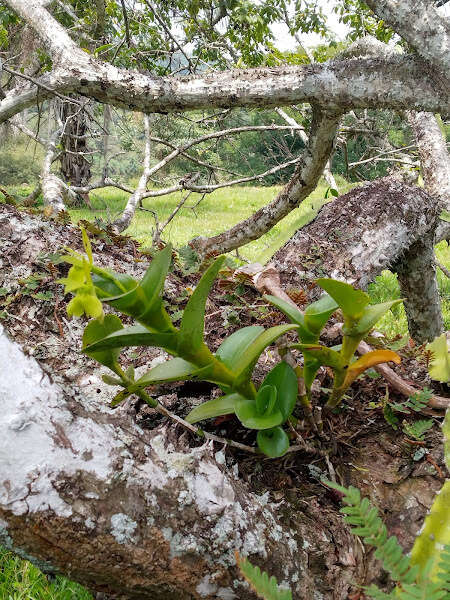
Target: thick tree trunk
<point>434,161</point>
<point>417,278</point>
<point>378,226</point>
<point>396,82</point>
<point>75,168</point>
<point>136,512</point>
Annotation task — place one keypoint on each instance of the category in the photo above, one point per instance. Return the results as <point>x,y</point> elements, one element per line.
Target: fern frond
<point>373,592</point>
<point>367,524</point>
<point>443,574</point>
<point>265,587</point>
<point>417,429</point>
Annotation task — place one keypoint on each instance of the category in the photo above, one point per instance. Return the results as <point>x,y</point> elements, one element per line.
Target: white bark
<point>118,508</point>
<point>397,82</point>
<point>136,197</point>
<point>328,175</point>
<point>420,24</point>
<point>434,160</point>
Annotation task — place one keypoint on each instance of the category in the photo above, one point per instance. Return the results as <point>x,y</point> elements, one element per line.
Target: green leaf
<point>96,331</point>
<point>446,432</point>
<point>255,349</point>
<point>318,313</point>
<point>326,356</point>
<point>265,399</point>
<point>109,284</point>
<point>310,367</point>
<point>435,533</point>
<point>136,335</point>
<point>192,322</point>
<point>248,415</point>
<point>439,368</point>
<point>235,346</point>
<point>213,408</point>
<point>371,315</point>
<point>273,442</point>
<point>175,369</point>
<point>295,316</point>
<point>284,379</point>
<point>445,216</point>
<point>265,587</point>
<point>143,302</point>
<point>119,398</point>
<point>351,301</point>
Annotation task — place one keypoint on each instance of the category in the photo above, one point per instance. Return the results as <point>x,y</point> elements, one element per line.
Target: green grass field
<point>216,212</point>
<point>19,580</point>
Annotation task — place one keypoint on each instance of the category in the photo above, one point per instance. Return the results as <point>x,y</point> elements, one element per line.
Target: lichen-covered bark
<point>122,510</point>
<point>371,228</point>
<point>434,161</point>
<point>417,278</point>
<point>392,82</point>
<point>53,189</point>
<point>140,513</point>
<point>307,174</point>
<point>418,22</point>
<point>359,234</point>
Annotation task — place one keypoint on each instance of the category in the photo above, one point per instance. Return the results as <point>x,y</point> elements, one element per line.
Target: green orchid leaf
<point>255,349</point>
<point>310,367</point>
<point>98,330</point>
<point>119,398</point>
<point>247,413</point>
<point>351,301</point>
<point>273,442</point>
<point>144,302</point>
<point>110,285</point>
<point>265,399</point>
<point>136,335</point>
<point>295,316</point>
<point>439,368</point>
<point>371,315</point>
<point>283,378</point>
<point>175,369</point>
<point>111,380</point>
<point>192,322</point>
<point>213,408</point>
<point>235,346</point>
<point>318,313</point>
<point>326,356</point>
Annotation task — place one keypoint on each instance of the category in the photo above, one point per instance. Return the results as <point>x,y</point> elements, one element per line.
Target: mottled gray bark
<point>420,24</point>
<point>53,189</point>
<point>417,278</point>
<point>434,161</point>
<point>378,226</point>
<point>394,82</point>
<point>307,174</point>
<point>327,174</point>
